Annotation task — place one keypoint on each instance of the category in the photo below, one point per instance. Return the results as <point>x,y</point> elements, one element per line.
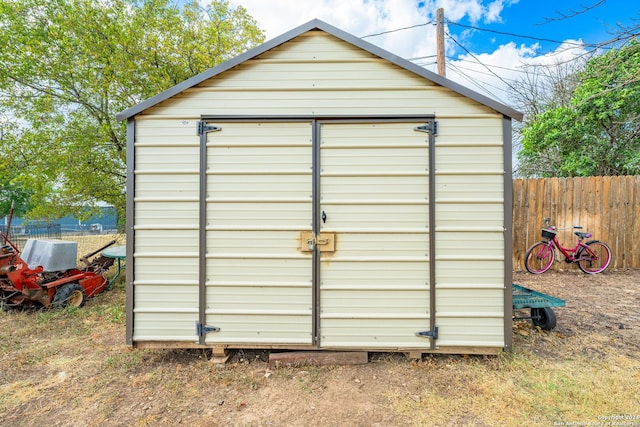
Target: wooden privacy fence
<point>606,206</point>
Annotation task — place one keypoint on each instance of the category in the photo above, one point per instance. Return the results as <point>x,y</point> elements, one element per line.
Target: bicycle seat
<point>582,235</point>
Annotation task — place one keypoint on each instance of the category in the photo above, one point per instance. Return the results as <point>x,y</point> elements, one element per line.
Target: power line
<point>426,64</point>
<point>623,36</point>
<point>460,72</point>
<point>451,60</point>
<point>517,35</point>
<point>458,67</point>
<point>515,70</point>
<point>398,29</point>
<point>474,82</point>
<point>421,57</point>
<point>481,63</point>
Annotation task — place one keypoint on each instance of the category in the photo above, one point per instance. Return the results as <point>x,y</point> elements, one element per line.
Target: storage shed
<point>318,192</point>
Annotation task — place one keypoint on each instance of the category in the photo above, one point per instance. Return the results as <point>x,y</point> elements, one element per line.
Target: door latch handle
<point>324,242</point>
<point>315,241</point>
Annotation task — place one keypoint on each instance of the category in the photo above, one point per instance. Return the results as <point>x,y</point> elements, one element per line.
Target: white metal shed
<point>318,192</point>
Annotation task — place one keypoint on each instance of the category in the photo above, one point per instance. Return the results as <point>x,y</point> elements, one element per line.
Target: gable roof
<point>317,24</point>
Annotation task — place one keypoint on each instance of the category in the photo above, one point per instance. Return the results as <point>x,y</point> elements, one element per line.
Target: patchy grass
<point>88,243</point>
<point>520,388</point>
<point>71,367</point>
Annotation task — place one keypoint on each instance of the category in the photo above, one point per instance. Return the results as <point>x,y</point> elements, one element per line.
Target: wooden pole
<point>8,230</point>
<point>440,40</point>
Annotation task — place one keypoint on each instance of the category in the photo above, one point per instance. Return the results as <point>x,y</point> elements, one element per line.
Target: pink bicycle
<point>592,257</point>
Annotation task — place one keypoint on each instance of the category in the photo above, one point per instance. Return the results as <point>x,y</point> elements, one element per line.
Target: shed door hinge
<point>429,334</point>
<point>428,127</point>
<point>201,329</point>
<point>204,127</point>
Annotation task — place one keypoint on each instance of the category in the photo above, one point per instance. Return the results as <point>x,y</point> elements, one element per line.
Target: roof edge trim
<point>349,38</point>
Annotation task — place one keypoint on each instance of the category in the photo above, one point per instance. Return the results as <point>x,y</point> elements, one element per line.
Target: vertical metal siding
<point>374,290</point>
<point>258,282</point>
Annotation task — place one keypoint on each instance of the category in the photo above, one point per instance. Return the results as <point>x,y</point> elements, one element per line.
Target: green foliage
<point>598,132</point>
<point>11,191</point>
<point>68,66</point>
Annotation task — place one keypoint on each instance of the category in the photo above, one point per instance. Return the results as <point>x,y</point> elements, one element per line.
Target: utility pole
<point>440,40</point>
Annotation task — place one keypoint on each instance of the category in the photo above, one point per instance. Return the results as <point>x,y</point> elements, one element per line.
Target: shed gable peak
<point>271,47</point>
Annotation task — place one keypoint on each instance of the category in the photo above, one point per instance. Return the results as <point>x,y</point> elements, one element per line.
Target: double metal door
<point>315,233</point>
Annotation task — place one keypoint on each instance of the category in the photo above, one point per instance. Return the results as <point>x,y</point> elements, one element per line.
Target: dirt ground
<point>75,370</point>
<point>607,304</point>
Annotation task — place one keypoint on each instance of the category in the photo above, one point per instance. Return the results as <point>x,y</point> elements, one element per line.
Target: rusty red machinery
<point>23,286</point>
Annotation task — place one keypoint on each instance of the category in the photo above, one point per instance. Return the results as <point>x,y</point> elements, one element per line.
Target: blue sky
<point>478,55</point>
<point>590,21</point>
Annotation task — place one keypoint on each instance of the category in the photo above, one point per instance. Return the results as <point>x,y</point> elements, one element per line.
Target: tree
<point>11,192</point>
<point>597,131</point>
<point>68,66</point>
<point>541,88</point>
<point>545,86</point>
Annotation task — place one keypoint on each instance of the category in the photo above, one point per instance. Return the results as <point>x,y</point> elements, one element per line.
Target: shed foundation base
<point>318,358</point>
<point>222,350</point>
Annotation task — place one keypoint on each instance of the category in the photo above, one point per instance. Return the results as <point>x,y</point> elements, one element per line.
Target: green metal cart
<point>542,314</point>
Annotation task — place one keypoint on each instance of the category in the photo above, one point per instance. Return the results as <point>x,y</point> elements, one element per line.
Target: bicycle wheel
<point>595,258</point>
<point>539,257</point>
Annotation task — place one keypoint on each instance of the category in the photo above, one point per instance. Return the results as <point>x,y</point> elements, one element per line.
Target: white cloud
<point>493,11</point>
<point>505,65</point>
<point>365,17</point>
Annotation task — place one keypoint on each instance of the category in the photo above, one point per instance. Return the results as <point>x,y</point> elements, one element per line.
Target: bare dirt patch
<point>599,305</point>
<point>72,368</point>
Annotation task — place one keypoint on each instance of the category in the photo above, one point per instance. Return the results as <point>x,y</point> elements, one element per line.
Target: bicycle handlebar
<point>547,222</point>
